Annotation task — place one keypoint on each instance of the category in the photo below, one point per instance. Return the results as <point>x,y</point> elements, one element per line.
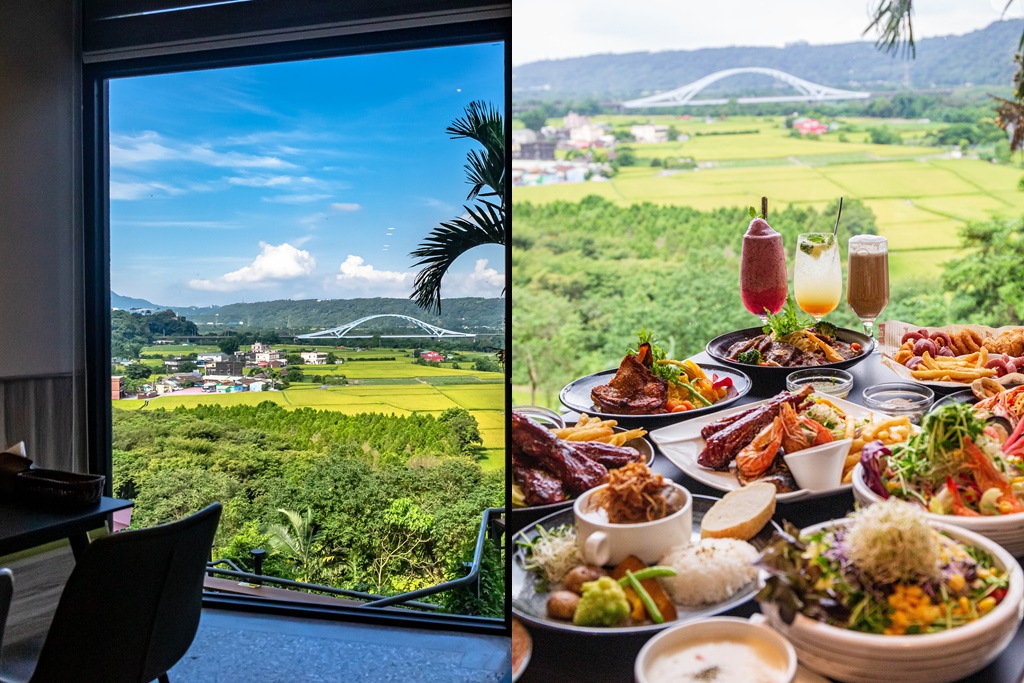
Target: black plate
<point>963,396</point>
<point>776,377</point>
<point>576,396</point>
<point>525,516</point>
<point>529,601</point>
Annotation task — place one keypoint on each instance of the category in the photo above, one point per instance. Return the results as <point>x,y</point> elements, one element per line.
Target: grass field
<point>920,195</point>
<point>403,389</point>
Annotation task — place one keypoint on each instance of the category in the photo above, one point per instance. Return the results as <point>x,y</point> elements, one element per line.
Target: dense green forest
<point>368,502</point>
<point>979,57</point>
<point>587,275</point>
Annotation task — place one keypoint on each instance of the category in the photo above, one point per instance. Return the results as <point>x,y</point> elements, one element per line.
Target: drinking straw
<point>835,230</point>
<point>764,208</point>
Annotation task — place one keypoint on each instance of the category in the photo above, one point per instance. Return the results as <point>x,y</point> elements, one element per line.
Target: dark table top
<point>27,525</point>
<point>570,657</point>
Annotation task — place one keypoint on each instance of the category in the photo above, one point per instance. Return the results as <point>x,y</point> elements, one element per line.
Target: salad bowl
<point>941,657</point>
<point>1006,530</point>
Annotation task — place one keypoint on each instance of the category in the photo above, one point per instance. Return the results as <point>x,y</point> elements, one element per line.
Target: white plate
<point>682,442</point>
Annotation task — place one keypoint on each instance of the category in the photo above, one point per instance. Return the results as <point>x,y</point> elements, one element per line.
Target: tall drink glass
<point>867,278</point>
<point>763,282</point>
<point>817,276</point>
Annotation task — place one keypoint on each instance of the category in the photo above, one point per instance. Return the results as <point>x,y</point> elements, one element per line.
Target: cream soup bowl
<point>602,543</point>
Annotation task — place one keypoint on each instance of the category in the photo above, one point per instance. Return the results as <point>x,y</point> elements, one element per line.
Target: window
<point>206,208</point>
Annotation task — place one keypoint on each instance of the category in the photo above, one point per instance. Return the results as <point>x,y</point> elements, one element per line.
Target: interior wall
<point>41,333</point>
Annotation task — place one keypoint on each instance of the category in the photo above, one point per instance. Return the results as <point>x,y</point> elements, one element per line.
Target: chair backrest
<point>131,606</point>
<point>6,592</point>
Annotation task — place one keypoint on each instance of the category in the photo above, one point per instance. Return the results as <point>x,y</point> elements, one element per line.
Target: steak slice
<point>540,487</point>
<point>608,455</point>
<point>634,390</point>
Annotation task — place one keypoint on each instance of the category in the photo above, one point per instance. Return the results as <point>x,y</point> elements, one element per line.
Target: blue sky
<point>310,179</point>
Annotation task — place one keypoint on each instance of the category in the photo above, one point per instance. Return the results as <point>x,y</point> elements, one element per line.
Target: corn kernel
<point>957,583</point>
<point>1005,507</point>
<point>986,605</point>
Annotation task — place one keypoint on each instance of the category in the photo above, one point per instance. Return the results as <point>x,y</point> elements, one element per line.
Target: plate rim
<point>662,417</point>
<point>644,629</point>
<point>860,338</point>
<point>704,476</point>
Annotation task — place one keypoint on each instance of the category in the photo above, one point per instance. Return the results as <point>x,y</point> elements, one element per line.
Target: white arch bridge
<point>342,332</point>
<point>806,91</point>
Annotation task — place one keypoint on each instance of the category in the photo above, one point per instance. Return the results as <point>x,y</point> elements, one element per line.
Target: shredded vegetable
<point>553,552</point>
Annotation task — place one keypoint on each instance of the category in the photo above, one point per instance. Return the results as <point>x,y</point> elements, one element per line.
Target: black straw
<point>764,208</point>
<point>835,230</point>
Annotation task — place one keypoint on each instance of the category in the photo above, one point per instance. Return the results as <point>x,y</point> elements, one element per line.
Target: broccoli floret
<point>751,357</point>
<point>825,328</point>
<point>603,603</point>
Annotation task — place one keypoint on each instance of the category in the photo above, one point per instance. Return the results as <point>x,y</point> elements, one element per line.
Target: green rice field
<point>921,196</point>
<point>406,389</point>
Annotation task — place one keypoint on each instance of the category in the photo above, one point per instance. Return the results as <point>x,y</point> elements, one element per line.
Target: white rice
<point>710,571</point>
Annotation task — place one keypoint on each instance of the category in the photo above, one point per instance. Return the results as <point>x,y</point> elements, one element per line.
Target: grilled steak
<point>578,473</point>
<point>721,447</point>
<point>634,390</point>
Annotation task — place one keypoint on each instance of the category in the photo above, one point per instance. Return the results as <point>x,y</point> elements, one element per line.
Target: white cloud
<point>148,147</point>
<point>132,191</point>
<point>357,276</point>
<point>274,264</point>
<point>345,206</point>
<point>482,281</point>
<point>296,198</point>
<point>261,182</point>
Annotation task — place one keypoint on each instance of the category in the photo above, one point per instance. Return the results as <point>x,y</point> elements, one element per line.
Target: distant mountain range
<point>983,57</point>
<point>464,314</point>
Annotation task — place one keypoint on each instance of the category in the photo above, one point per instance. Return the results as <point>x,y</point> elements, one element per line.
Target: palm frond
<point>483,123</point>
<point>485,224</point>
<point>892,19</point>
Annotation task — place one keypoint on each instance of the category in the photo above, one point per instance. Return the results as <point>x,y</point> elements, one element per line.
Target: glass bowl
<point>827,381</point>
<point>546,416</point>
<point>898,398</point>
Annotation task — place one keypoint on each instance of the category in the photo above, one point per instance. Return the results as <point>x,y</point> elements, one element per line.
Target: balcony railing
<point>492,526</point>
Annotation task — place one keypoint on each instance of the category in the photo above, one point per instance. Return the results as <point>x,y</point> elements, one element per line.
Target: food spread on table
<point>548,469</point>
<point>886,571</point>
<point>790,341</point>
<point>648,383</point>
<point>966,461</point>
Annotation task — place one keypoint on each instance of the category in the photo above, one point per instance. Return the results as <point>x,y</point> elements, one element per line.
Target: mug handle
<point>596,549</point>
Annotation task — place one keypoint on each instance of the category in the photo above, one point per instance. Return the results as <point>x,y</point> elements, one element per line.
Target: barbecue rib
<point>722,446</point>
<point>634,390</point>
<point>540,487</point>
<point>608,455</point>
<point>578,473</point>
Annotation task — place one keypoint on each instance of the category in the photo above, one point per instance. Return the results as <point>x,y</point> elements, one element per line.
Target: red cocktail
<point>763,282</point>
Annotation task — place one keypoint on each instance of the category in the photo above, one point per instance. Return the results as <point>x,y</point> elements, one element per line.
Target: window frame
<point>96,227</point>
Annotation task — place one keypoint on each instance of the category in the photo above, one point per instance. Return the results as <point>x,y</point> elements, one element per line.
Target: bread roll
<point>741,514</point>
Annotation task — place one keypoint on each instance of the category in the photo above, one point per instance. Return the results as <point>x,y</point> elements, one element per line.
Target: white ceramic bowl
<point>603,543</point>
<point>716,629</point>
<point>819,468</point>
<point>927,658</point>
<point>1006,530</point>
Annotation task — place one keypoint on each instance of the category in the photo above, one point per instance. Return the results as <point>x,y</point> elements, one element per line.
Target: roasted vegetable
<point>603,604</point>
<point>751,357</point>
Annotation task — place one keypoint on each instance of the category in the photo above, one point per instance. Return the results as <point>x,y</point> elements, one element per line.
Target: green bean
<point>645,598</point>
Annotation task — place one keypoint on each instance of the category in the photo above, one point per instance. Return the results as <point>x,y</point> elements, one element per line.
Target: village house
<point>432,356</point>
<point>649,132</point>
<point>313,357</point>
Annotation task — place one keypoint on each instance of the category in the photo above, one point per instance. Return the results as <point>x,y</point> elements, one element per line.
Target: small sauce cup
<point>897,399</point>
<point>827,381</point>
<point>819,468</point>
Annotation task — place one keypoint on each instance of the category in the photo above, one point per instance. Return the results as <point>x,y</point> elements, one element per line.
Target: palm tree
<point>301,542</point>
<point>484,221</point>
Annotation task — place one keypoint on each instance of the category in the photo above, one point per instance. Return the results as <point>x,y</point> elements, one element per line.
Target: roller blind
<point>125,29</point>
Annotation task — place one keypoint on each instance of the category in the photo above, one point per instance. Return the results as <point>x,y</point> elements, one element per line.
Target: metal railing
<point>491,526</point>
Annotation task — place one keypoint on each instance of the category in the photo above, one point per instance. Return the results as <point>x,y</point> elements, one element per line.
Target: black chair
<point>6,591</point>
<point>131,606</point>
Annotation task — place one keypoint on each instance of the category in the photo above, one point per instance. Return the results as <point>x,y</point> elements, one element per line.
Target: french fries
<point>595,429</point>
<point>888,430</point>
<point>955,369</point>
